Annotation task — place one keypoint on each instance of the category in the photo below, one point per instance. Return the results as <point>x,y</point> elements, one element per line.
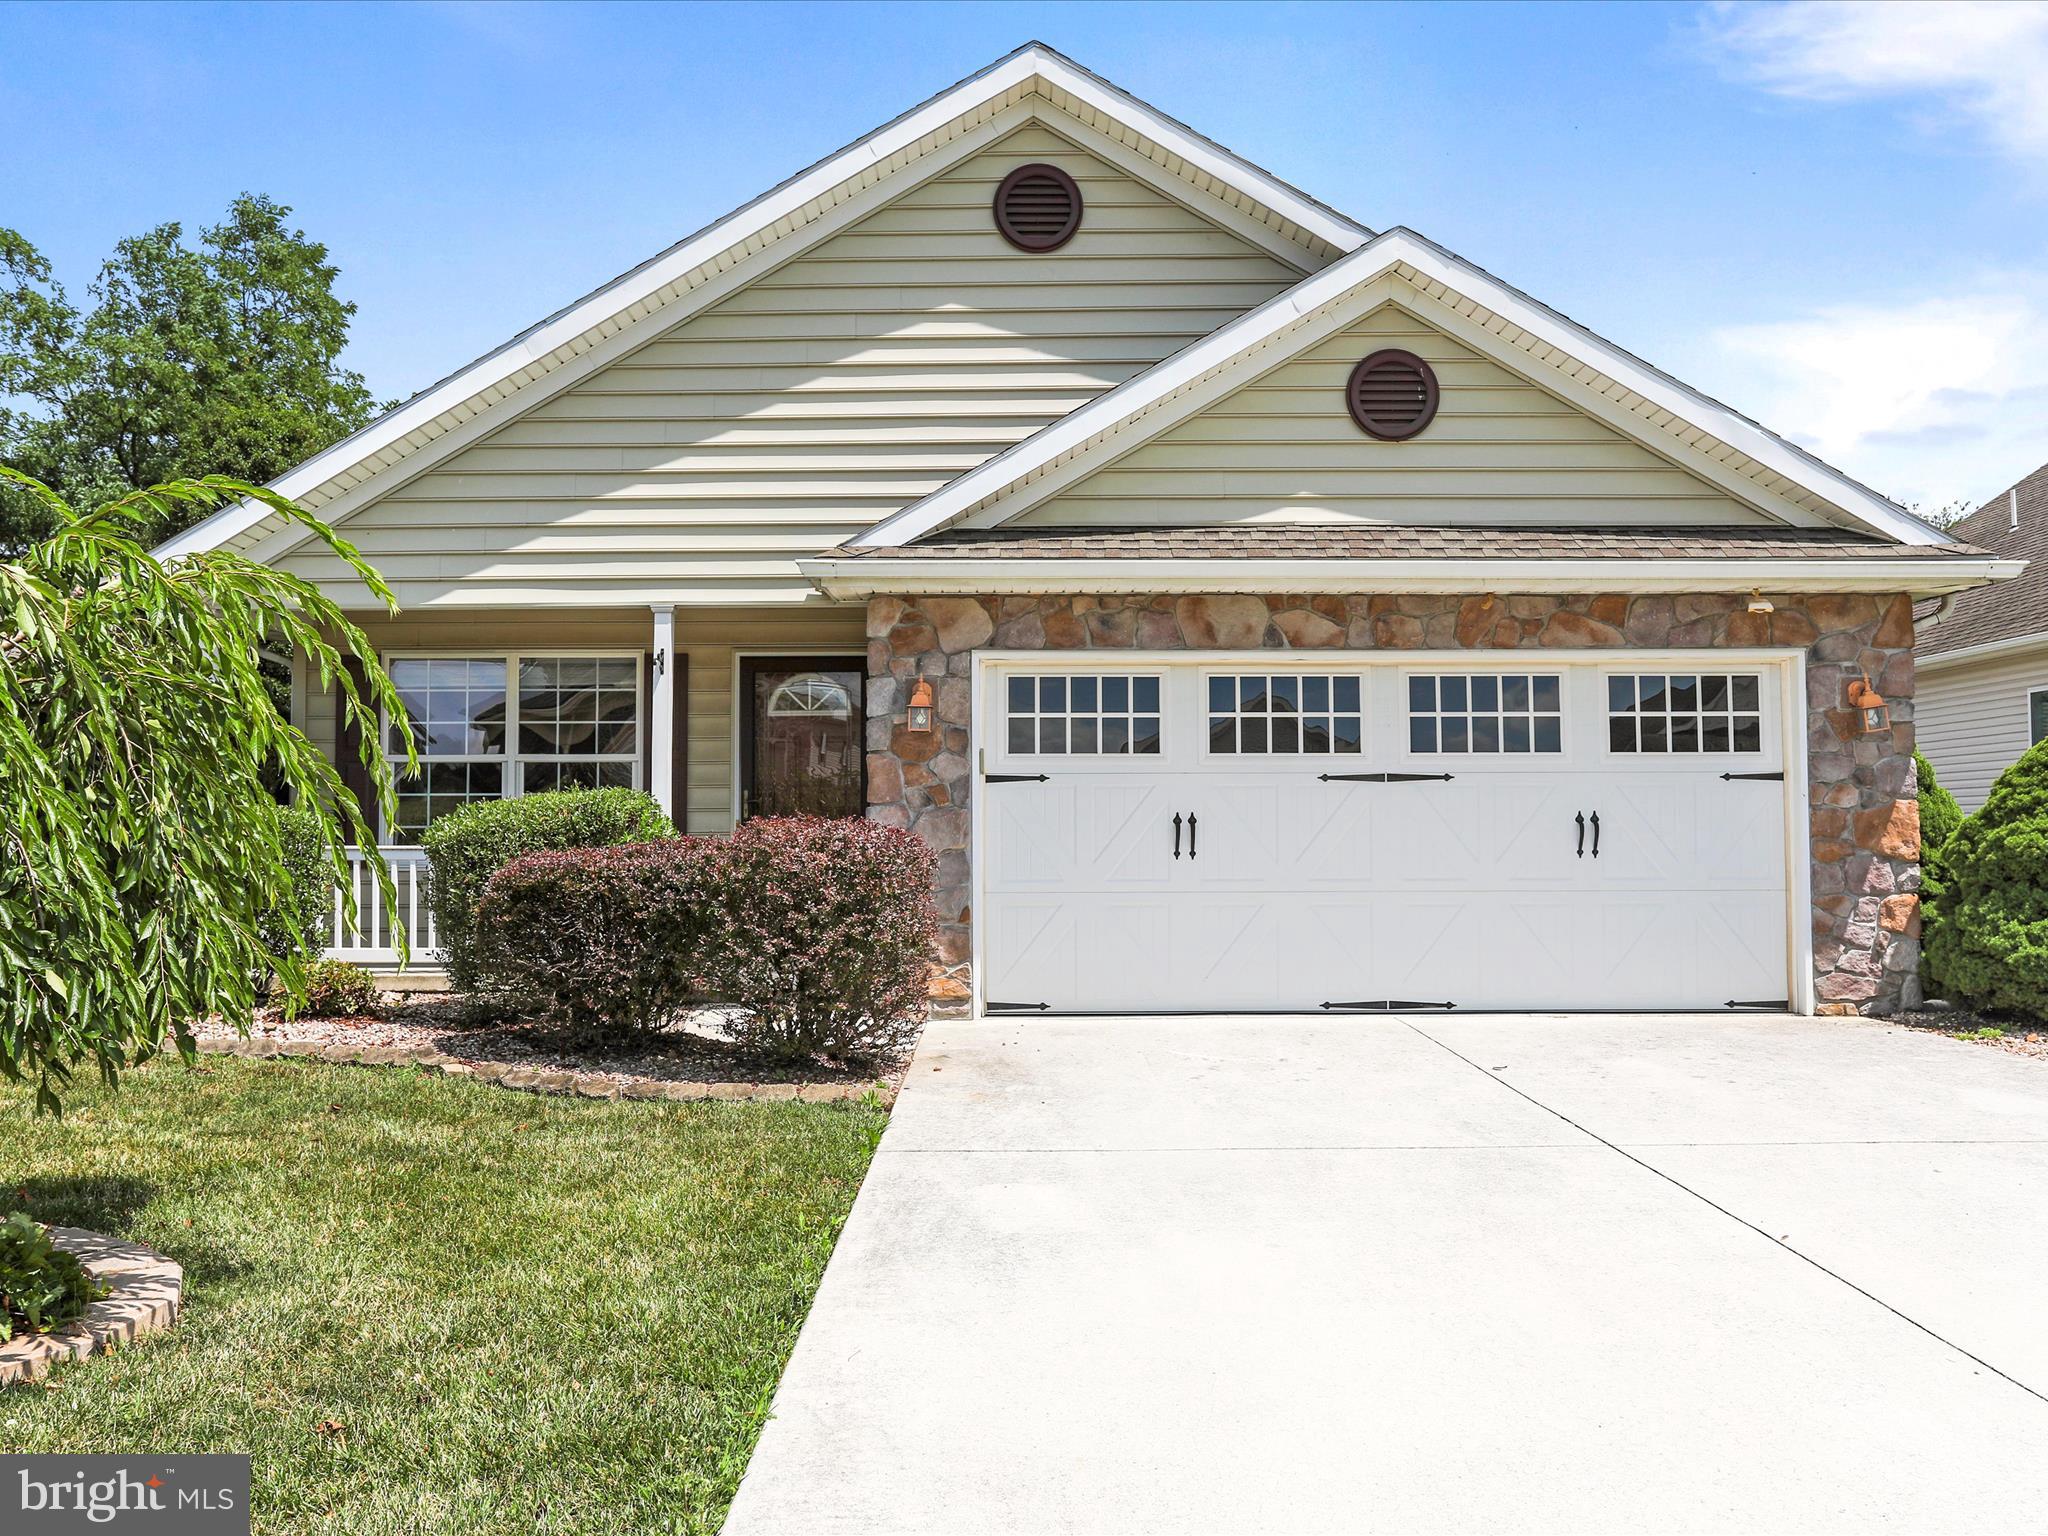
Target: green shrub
<point>820,932</point>
<point>309,898</point>
<point>605,940</point>
<point>465,848</point>
<point>1939,815</point>
<point>336,989</point>
<point>41,1286</point>
<point>1987,930</point>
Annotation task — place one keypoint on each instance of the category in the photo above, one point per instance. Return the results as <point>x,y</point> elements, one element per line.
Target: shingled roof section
<point>1268,541</point>
<point>2010,609</point>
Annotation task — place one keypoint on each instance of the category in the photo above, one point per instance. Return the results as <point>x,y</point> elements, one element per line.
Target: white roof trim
<point>1989,650</point>
<point>1033,63</point>
<point>873,575</point>
<point>1094,424</point>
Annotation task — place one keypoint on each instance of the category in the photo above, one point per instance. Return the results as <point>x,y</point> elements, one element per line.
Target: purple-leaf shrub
<point>605,940</point>
<point>819,932</point>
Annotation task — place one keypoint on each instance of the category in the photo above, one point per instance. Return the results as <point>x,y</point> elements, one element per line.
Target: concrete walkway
<point>1434,1274</point>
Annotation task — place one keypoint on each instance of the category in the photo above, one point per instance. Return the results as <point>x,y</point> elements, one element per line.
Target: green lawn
<point>429,1305</point>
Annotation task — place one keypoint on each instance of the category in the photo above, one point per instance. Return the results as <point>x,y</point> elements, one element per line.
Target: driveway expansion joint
<point>1779,1243</point>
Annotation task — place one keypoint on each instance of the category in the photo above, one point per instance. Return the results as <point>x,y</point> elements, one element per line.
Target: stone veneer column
<point>1862,790</point>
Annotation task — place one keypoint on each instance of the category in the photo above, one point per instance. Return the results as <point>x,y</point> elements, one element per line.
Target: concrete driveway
<point>1434,1274</point>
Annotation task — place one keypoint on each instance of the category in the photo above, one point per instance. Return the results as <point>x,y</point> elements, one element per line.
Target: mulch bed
<point>2023,1037</point>
<point>432,1027</point>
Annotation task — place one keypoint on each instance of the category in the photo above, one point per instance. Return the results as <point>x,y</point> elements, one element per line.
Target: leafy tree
<point>143,857</point>
<point>1987,933</point>
<point>186,360</point>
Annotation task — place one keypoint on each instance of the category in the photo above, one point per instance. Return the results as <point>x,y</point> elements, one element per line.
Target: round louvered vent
<point>1392,395</point>
<point>1038,207</point>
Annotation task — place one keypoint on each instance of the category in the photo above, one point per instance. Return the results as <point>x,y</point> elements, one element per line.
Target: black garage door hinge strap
<point>1380,778</point>
<point>1015,778</point>
<point>1763,1005</point>
<point>1387,1005</point>
<point>1779,775</point>
<point>1017,1007</point>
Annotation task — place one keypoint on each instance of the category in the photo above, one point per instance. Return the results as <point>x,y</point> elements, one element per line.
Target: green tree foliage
<point>142,855</point>
<point>1987,933</point>
<point>185,360</point>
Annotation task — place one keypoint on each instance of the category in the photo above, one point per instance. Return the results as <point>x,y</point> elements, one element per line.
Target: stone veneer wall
<point>1862,789</point>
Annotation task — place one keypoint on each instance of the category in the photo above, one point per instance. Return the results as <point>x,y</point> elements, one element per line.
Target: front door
<point>801,752</point>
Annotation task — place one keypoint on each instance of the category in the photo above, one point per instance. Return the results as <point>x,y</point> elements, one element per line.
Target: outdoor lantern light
<point>921,705</point>
<point>1877,714</point>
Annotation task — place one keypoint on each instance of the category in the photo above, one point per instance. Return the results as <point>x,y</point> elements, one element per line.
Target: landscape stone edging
<point>582,1085</point>
<point>144,1292</point>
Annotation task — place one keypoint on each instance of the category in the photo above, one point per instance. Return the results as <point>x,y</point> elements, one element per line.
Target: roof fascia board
<point>1384,253</point>
<point>870,576</point>
<point>1990,650</point>
<point>1016,71</point>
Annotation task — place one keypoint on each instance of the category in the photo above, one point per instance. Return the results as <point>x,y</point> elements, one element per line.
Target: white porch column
<point>661,712</point>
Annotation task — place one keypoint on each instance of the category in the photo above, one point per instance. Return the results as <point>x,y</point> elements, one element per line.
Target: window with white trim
<point>1482,712</point>
<point>1684,712</point>
<point>493,727</point>
<point>2037,716</point>
<point>1286,714</point>
<point>1082,715</point>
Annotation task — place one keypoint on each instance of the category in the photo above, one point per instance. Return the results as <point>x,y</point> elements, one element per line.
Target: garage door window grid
<point>1679,713</point>
<point>1486,713</point>
<point>1307,713</point>
<point>1083,716</point>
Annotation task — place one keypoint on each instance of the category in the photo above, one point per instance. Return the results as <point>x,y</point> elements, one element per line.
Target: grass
<point>428,1305</point>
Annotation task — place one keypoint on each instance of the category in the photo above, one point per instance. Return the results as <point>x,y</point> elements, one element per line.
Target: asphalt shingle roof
<point>1373,542</point>
<point>2008,609</point>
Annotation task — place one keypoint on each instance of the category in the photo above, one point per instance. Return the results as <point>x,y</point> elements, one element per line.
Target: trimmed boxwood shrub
<point>820,935</point>
<point>466,847</point>
<point>1987,932</point>
<point>335,989</point>
<point>605,940</point>
<point>1939,815</point>
<point>41,1286</point>
<point>311,902</point>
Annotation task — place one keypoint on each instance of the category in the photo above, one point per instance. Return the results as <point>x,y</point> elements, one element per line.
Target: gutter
<point>870,576</point>
<point>2015,645</point>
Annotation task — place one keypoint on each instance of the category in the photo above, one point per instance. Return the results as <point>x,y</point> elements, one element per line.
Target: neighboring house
<point>1253,610</point>
<point>1983,654</point>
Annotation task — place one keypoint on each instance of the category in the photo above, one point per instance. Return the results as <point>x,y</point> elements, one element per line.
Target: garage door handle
<point>1176,834</point>
<point>1596,834</point>
<point>1581,820</point>
<point>1191,834</point>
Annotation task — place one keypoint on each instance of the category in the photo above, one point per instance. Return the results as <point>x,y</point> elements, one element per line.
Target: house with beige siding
<point>1254,609</point>
<point>1983,654</point>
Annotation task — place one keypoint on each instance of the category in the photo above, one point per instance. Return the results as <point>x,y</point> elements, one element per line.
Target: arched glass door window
<point>801,752</point>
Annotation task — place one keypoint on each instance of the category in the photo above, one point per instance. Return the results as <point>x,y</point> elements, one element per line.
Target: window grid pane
<point>1684,713</point>
<point>1091,716</point>
<point>1285,714</point>
<point>1486,713</point>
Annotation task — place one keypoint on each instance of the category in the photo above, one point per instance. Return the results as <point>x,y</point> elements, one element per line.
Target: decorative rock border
<point>144,1291</point>
<point>547,1080</point>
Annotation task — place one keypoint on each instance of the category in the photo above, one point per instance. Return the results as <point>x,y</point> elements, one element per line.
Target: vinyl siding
<point>829,393</point>
<point>1971,720</point>
<point>1284,449</point>
<point>711,637</point>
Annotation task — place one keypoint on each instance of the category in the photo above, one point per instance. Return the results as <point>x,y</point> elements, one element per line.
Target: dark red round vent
<point>1392,394</point>
<point>1038,207</point>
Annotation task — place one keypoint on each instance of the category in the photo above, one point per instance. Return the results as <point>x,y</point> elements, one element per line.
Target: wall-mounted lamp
<point>1758,603</point>
<point>1867,701</point>
<point>921,706</point>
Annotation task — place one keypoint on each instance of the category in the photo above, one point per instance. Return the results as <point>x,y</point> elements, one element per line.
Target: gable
<point>828,393</point>
<point>1284,449</point>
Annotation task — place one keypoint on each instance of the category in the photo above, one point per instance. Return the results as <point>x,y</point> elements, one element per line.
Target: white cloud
<point>1965,60</point>
<point>1931,401</point>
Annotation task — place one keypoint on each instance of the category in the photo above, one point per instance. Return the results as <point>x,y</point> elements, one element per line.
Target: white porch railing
<point>372,939</point>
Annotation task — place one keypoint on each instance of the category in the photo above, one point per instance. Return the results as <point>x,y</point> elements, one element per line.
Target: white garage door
<point>1279,834</point>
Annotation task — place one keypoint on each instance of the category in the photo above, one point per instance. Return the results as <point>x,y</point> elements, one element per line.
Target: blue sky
<point>1834,218</point>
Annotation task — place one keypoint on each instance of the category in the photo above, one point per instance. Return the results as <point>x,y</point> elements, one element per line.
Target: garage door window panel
<point>1264,714</point>
<point>1486,713</point>
<point>1653,714</point>
<point>1082,715</point>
